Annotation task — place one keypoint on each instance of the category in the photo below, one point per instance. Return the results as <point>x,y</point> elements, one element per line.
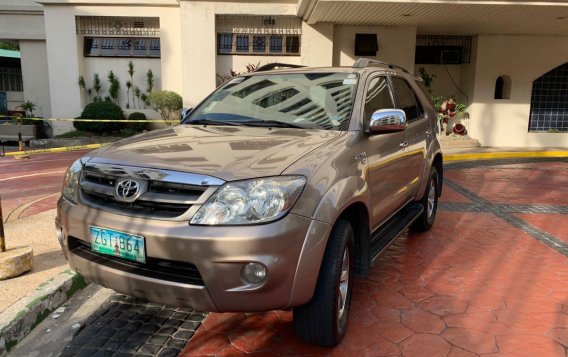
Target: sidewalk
<point>38,232</point>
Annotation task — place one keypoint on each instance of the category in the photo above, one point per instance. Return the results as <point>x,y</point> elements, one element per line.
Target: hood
<point>226,152</point>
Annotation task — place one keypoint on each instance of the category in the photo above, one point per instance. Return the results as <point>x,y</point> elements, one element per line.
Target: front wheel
<point>323,320</point>
<point>430,202</point>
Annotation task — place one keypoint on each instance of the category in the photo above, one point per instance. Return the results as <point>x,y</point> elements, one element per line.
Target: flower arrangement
<point>448,108</point>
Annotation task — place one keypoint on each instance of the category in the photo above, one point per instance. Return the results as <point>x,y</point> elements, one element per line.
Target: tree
<point>166,103</point>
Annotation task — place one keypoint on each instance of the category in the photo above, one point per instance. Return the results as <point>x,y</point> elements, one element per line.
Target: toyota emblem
<point>128,190</point>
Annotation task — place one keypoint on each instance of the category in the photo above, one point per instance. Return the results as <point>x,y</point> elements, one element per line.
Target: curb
<point>504,155</point>
<point>20,318</point>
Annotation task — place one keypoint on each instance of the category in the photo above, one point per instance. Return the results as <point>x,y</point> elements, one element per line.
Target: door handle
<point>428,132</point>
<point>403,144</point>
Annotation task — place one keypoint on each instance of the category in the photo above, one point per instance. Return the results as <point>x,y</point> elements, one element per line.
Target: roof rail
<point>276,65</point>
<point>365,62</point>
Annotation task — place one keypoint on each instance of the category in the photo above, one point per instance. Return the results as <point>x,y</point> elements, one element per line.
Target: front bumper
<point>218,253</point>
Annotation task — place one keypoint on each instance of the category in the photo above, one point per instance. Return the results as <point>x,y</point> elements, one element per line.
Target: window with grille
<point>549,101</point>
<point>275,45</point>
<point>117,26</point>
<point>258,35</point>
<point>121,47</point>
<point>432,49</point>
<point>11,80</point>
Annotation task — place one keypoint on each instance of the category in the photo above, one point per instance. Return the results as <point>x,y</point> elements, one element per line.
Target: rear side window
<point>406,99</point>
<point>378,97</point>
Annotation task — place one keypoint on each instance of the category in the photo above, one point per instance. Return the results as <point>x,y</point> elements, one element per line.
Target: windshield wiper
<point>206,121</point>
<point>276,123</point>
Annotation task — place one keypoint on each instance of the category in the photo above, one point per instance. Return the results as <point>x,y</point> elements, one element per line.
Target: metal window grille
<point>118,26</point>
<point>11,80</point>
<point>258,35</point>
<point>549,101</point>
<point>464,42</point>
<point>261,25</point>
<point>121,47</point>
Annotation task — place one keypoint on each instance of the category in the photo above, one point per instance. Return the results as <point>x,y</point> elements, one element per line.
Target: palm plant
<point>149,81</point>
<point>128,86</point>
<point>137,93</point>
<point>29,107</point>
<point>131,74</point>
<point>114,86</point>
<point>97,86</point>
<point>83,86</point>
<point>144,99</point>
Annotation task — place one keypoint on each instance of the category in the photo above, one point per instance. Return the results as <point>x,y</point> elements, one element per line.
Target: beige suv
<point>274,193</point>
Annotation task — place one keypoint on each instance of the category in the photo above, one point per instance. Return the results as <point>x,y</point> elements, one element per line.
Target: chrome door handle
<point>428,132</point>
<point>403,144</point>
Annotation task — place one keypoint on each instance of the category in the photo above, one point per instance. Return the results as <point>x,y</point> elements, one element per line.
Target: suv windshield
<point>305,100</point>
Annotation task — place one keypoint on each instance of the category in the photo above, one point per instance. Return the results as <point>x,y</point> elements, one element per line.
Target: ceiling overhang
<point>457,17</point>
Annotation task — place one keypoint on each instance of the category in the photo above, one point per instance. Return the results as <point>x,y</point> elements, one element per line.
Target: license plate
<point>118,244</point>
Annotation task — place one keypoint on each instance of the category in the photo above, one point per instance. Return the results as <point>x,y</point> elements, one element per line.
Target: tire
<point>430,202</point>
<point>323,320</point>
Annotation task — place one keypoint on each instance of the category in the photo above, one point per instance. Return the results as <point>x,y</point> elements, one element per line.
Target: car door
<point>416,134</point>
<point>387,164</point>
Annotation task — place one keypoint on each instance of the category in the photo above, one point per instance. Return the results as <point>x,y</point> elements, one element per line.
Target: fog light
<point>253,273</point>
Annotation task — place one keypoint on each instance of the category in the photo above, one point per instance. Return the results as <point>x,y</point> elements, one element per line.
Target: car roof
<point>378,67</point>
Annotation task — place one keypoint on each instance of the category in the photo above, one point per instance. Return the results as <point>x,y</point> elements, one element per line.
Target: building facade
<point>507,61</point>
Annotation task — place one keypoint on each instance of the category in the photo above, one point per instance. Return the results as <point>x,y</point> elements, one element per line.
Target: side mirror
<point>387,121</point>
<point>184,113</point>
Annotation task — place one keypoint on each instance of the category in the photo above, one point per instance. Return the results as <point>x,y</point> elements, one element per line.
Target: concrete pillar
<point>63,63</point>
<point>198,57</point>
<point>35,76</point>
<point>317,45</point>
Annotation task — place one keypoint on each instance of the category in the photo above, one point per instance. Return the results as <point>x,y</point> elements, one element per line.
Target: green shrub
<point>138,127</point>
<point>101,110</point>
<point>168,104</point>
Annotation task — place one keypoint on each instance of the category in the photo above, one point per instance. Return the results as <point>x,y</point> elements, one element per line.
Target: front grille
<point>144,208</point>
<point>161,269</point>
<point>169,195</point>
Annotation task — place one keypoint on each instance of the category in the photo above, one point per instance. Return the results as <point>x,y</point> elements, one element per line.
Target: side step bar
<point>387,233</point>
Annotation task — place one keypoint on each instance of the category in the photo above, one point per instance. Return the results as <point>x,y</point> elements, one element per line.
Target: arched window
<point>502,87</point>
<point>549,101</point>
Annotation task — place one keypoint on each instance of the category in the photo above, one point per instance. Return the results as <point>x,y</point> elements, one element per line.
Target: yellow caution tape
<point>504,155</point>
<point>53,150</point>
<point>95,120</point>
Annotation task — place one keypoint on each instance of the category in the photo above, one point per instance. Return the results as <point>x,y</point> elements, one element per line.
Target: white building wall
<point>505,122</point>
<point>396,45</point>
<point>200,61</point>
<point>119,66</point>
<point>35,76</point>
<point>67,63</point>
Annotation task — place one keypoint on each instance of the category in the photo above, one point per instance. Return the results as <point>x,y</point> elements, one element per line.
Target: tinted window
<point>311,100</point>
<point>406,99</point>
<point>378,97</point>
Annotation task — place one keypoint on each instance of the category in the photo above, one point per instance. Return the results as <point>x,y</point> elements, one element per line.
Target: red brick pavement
<point>531,183</point>
<point>474,285</point>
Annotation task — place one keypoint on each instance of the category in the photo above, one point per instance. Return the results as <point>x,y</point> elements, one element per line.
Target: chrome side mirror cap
<point>387,121</point>
<point>184,113</point>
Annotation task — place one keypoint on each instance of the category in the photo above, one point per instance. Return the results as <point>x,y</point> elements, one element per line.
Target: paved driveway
<point>490,278</point>
<point>32,186</point>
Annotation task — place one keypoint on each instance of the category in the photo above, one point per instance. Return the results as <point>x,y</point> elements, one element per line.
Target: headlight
<point>251,201</point>
<point>71,181</point>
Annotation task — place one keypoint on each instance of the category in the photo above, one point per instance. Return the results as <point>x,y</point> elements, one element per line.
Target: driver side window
<point>378,97</point>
